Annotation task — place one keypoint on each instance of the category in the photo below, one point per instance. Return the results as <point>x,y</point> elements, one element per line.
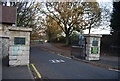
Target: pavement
<point>110,62</point>
<point>18,73</point>
<point>0,68</point>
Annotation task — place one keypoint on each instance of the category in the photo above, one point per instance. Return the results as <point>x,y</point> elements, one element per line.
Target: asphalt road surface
<point>53,66</point>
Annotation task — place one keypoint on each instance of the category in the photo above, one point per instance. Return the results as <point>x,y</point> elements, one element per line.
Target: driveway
<point>53,66</point>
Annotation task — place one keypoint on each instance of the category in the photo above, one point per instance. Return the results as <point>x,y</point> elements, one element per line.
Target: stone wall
<point>5,47</point>
<point>4,40</point>
<point>18,54</point>
<point>89,46</point>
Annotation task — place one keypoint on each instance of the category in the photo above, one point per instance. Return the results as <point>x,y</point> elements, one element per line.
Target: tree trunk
<point>89,30</point>
<point>67,40</point>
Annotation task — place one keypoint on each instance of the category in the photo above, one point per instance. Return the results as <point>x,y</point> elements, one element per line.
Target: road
<point>53,66</point>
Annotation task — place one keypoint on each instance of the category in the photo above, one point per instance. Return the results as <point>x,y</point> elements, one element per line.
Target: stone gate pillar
<point>19,46</point>
<point>92,46</point>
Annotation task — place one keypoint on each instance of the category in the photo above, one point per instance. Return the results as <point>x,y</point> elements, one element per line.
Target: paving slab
<point>15,73</point>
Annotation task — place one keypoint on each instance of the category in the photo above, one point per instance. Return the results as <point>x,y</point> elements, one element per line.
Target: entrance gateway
<point>92,46</point>
<point>19,46</point>
<point>88,48</point>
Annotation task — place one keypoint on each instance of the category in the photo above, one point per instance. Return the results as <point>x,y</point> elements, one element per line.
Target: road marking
<point>38,74</point>
<point>68,57</point>
<point>62,60</point>
<point>114,70</point>
<point>64,56</point>
<point>57,61</point>
<point>52,61</point>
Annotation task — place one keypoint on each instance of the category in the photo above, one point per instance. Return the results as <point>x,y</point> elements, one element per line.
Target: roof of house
<point>7,14</point>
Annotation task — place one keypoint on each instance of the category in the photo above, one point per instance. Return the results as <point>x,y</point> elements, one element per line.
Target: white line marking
<point>57,61</point>
<point>60,55</point>
<point>53,61</point>
<point>62,60</point>
<point>114,70</point>
<point>64,56</point>
<point>68,57</point>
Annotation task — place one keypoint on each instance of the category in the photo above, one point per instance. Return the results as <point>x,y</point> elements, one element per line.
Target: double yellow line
<point>38,74</point>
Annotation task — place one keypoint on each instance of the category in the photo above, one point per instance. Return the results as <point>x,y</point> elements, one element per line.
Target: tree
<point>115,23</point>
<point>92,14</point>
<point>52,29</point>
<point>75,38</point>
<point>26,13</point>
<point>69,15</point>
<point>27,16</point>
<point>115,17</point>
